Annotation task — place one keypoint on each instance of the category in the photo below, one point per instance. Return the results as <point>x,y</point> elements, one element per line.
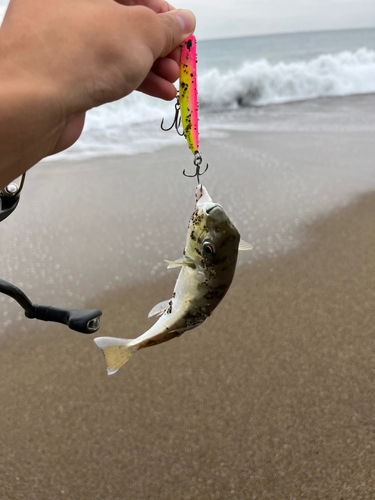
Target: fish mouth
<point>212,207</point>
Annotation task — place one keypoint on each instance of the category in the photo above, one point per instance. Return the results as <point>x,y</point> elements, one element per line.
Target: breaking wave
<point>260,83</point>
<point>132,125</point>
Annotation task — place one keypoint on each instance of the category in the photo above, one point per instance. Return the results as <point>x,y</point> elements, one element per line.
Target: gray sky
<point>230,18</point>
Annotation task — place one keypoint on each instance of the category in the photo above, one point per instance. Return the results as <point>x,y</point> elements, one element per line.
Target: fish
<point>206,272</point>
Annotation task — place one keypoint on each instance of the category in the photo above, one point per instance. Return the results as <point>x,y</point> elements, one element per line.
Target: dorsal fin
<point>244,245</point>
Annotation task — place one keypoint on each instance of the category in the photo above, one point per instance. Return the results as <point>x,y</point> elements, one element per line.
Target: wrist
<point>31,120</point>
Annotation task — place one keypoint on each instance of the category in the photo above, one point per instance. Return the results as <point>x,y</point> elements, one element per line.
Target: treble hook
<point>177,118</point>
<point>197,162</point>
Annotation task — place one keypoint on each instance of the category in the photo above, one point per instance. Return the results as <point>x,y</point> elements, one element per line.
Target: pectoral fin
<point>159,309</point>
<point>185,261</point>
<point>244,245</point>
<point>174,263</point>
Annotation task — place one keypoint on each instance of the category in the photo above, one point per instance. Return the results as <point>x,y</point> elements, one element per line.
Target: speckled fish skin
<point>207,269</point>
<point>188,92</point>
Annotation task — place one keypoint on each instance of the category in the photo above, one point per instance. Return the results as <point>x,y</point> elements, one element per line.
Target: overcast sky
<point>230,18</point>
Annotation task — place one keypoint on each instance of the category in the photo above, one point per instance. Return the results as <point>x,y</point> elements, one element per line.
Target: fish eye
<point>208,249</point>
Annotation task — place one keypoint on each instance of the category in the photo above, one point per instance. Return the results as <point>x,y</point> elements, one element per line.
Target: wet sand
<point>273,397</point>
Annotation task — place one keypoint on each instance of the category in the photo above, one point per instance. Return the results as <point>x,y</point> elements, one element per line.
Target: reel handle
<point>79,320</point>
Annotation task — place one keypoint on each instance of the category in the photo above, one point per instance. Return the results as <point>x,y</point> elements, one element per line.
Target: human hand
<point>165,70</point>
<point>84,53</point>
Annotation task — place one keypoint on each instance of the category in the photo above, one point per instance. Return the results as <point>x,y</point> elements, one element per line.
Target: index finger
<point>158,6</point>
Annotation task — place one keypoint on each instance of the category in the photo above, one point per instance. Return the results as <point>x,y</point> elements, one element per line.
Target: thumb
<point>177,26</point>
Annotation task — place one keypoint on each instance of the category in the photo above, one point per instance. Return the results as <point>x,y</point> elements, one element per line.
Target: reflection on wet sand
<point>274,394</point>
<point>272,397</point>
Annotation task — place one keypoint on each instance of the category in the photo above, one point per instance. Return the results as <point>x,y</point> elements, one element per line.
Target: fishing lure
<point>189,94</point>
<point>186,107</point>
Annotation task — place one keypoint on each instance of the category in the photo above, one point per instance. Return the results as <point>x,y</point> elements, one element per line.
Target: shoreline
<point>272,396</point>
<point>264,397</point>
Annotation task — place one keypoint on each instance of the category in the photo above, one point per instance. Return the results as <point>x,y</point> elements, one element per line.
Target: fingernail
<point>187,21</point>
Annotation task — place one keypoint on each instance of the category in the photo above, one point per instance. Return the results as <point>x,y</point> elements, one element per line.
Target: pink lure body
<point>188,92</point>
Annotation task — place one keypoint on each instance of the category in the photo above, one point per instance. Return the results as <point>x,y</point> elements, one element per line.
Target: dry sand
<point>272,398</point>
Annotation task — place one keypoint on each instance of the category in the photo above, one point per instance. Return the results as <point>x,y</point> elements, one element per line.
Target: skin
<point>60,58</point>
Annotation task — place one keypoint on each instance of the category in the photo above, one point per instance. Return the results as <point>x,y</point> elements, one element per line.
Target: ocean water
<point>239,80</point>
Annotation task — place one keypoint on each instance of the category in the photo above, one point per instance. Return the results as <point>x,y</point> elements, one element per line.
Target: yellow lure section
<point>188,92</point>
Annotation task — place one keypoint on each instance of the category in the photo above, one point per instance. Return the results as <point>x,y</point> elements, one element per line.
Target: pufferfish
<point>207,269</point>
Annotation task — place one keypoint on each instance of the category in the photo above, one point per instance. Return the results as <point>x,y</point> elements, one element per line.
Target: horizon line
<point>278,33</point>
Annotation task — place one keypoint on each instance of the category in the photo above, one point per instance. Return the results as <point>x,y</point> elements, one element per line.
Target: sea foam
<point>259,83</point>
<point>131,125</point>
<point>254,84</point>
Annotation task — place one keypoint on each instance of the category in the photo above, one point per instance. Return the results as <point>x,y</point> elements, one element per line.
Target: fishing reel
<point>79,320</point>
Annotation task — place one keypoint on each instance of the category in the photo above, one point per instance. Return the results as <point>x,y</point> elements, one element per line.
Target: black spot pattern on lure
<point>189,44</point>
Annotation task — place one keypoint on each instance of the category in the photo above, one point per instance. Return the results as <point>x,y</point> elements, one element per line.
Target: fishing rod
<point>79,320</point>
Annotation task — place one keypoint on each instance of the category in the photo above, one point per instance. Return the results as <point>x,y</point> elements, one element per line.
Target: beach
<point>273,396</point>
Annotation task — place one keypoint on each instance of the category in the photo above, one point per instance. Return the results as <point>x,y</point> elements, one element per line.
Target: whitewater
<point>132,125</point>
<point>237,74</point>
<point>259,83</point>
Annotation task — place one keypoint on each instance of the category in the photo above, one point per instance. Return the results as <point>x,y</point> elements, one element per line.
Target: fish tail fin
<point>116,351</point>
